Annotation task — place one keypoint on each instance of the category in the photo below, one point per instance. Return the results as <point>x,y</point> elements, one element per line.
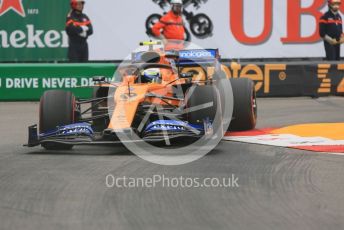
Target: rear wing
<point>198,57</point>
<point>195,57</point>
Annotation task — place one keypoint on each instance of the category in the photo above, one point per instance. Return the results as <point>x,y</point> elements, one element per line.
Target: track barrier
<point>27,82</point>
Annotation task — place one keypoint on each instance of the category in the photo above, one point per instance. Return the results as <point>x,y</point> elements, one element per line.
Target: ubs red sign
<point>293,20</point>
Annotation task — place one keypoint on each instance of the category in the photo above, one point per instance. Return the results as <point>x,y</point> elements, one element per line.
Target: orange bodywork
<point>126,105</point>
<point>129,95</point>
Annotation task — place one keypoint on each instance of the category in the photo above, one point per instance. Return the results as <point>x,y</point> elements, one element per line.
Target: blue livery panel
<point>77,129</point>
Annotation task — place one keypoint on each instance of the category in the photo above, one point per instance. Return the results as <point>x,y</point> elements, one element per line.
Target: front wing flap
<point>82,134</point>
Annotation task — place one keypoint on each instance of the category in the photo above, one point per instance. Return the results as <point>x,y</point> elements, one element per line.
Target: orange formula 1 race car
<point>155,96</point>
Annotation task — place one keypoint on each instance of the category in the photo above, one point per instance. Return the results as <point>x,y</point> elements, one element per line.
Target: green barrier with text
<point>27,82</point>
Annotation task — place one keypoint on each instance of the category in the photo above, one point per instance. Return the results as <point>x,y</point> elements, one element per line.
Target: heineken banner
<point>28,82</point>
<point>33,30</point>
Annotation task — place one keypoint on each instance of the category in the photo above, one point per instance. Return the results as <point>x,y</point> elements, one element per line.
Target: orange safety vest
<point>171,25</point>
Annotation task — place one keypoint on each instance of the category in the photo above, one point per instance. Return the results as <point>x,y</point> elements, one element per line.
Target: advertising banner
<point>33,30</point>
<point>239,28</point>
<point>27,82</point>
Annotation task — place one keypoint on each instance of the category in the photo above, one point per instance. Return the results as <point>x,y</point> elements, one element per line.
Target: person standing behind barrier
<point>331,30</point>
<point>78,28</point>
<point>170,28</point>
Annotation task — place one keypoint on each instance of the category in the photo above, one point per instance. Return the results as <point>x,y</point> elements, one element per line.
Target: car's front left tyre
<point>57,108</point>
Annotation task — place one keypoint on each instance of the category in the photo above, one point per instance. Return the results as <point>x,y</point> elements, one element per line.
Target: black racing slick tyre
<point>57,108</point>
<point>245,105</point>
<point>202,102</point>
<point>222,83</point>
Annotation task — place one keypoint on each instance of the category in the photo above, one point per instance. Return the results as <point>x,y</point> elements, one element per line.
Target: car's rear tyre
<point>206,96</point>
<point>245,105</point>
<point>57,108</point>
<point>222,83</point>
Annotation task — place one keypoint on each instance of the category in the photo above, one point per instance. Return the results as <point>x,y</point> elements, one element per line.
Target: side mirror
<point>172,54</point>
<point>150,57</point>
<point>187,75</point>
<point>98,79</point>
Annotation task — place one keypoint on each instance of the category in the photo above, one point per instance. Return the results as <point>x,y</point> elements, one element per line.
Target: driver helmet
<point>152,75</point>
